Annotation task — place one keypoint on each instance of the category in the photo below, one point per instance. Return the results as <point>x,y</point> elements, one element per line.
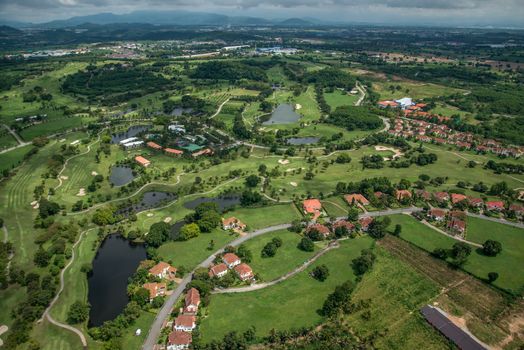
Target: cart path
<point>220,108</point>
<point>449,235</point>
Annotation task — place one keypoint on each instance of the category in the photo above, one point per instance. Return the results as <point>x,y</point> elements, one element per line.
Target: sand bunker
<point>81,192</point>
<point>35,204</point>
<point>294,184</point>
<point>3,329</point>
<point>168,220</point>
<point>293,169</point>
<point>283,161</point>
<point>298,106</point>
<point>64,177</point>
<point>94,173</point>
<point>62,140</point>
<point>394,150</point>
<point>150,215</point>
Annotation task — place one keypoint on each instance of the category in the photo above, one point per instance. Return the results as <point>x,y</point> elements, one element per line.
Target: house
<point>319,228</point>
<point>356,198</point>
<point>163,270</point>
<point>365,222</point>
<point>379,195</point>
<point>425,195</point>
<point>343,223</point>
<point>402,194</point>
<point>385,104</point>
<point>456,225</point>
<point>517,209</point>
<point>441,196</point>
<point>312,207</point>
<point>192,301</point>
<point>437,214</point>
<point>405,102</point>
<point>154,146</point>
<point>475,202</point>
<point>142,161</point>
<point>205,151</point>
<point>231,260</point>
<point>178,340</point>
<point>132,144</point>
<point>218,270</point>
<point>155,289</point>
<point>495,205</point>
<point>457,198</point>
<point>185,323</point>
<point>173,152</point>
<point>244,272</point>
<point>233,223</point>
<point>457,214</point>
<point>176,128</point>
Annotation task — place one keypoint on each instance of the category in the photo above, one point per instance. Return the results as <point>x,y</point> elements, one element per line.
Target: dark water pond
<point>175,229</point>
<point>223,202</point>
<point>149,200</point>
<point>121,175</point>
<point>116,260</point>
<point>302,140</point>
<point>131,132</point>
<point>283,114</point>
<point>177,112</point>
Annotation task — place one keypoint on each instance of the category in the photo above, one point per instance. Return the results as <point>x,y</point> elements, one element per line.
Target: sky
<point>497,13</point>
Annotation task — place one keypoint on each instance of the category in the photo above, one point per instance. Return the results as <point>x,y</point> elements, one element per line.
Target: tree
<point>339,300</point>
<point>460,252</point>
<point>47,208</point>
<point>208,221</point>
<point>492,277</point>
<point>189,231</point>
<point>277,241</point>
<point>244,254</point>
<point>141,296</point>
<point>491,248</point>
<point>364,262</point>
<point>42,257</point>
<point>440,253</point>
<point>306,244</point>
<point>320,273</point>
<point>377,228</point>
<point>157,302</point>
<point>249,198</point>
<point>158,233</point>
<point>1,222</point>
<point>269,250</point>
<point>252,181</point>
<point>398,230</point>
<point>353,214</point>
<point>343,158</point>
<point>78,312</point>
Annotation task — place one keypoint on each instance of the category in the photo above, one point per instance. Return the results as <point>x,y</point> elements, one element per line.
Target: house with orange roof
<point>233,223</point>
<point>365,222</point>
<point>185,323</point>
<point>205,151</point>
<point>475,202</point>
<point>402,194</point>
<point>457,198</point>
<point>456,225</point>
<point>142,161</point>
<point>356,198</point>
<point>244,272</point>
<point>385,104</point>
<point>173,152</point>
<point>155,289</point>
<point>441,196</point>
<point>312,207</point>
<point>154,146</point>
<point>178,340</point>
<point>231,260</point>
<point>437,214</point>
<point>322,229</point>
<point>343,223</point>
<point>163,270</point>
<point>219,270</point>
<point>495,205</point>
<point>517,209</point>
<point>192,301</point>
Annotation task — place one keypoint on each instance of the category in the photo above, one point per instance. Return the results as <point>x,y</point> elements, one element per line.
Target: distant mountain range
<point>182,18</point>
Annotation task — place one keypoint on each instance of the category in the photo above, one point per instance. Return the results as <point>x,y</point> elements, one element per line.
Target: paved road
<point>450,236</point>
<point>500,221</point>
<point>220,108</point>
<point>362,93</point>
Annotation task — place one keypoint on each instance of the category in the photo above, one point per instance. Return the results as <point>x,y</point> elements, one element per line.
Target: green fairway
<point>12,159</point>
<point>413,89</point>
<point>256,218</point>
<point>287,258</point>
<point>396,293</point>
<point>270,308</point>
<point>340,98</point>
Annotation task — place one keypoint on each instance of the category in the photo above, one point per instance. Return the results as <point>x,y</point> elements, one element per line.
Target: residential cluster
<point>231,261</point>
<point>164,272</point>
<point>180,336</point>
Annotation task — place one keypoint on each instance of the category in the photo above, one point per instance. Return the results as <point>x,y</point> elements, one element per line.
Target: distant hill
<point>181,18</point>
<point>8,31</point>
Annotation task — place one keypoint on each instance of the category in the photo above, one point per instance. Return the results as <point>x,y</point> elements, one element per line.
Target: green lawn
<point>192,252</point>
<point>340,98</point>
<point>256,218</point>
<point>290,304</point>
<point>287,258</point>
<point>412,89</point>
<point>396,293</point>
<point>12,159</point>
<point>335,206</point>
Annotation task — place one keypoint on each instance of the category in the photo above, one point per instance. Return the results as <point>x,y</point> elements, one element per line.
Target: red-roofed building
<point>244,272</point>
<point>231,260</point>
<point>356,198</point>
<point>457,198</point>
<point>142,161</point>
<point>475,202</point>
<point>457,214</point>
<point>155,289</point>
<point>343,223</point>
<point>153,145</point>
<point>319,228</point>
<point>365,222</point>
<point>163,270</point>
<point>205,151</point>
<point>219,270</point>
<point>173,152</point>
<point>517,209</point>
<point>185,323</point>
<point>192,301</point>
<point>457,225</point>
<point>385,104</point>
<point>437,214</point>
<point>441,196</point>
<point>379,194</point>
<point>312,207</point>
<point>402,194</point>
<point>495,205</point>
<point>425,195</point>
<point>179,340</point>
<point>233,223</point>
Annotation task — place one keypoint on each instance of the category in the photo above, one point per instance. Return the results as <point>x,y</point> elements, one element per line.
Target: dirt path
<point>362,91</point>
<point>332,245</point>
<point>449,235</point>
<point>220,108</point>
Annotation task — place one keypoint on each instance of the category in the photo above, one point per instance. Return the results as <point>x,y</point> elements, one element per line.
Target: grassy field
<point>335,206</point>
<point>396,293</point>
<point>270,308</point>
<point>340,98</point>
<point>287,258</point>
<point>12,159</point>
<point>411,89</point>
<point>256,218</point>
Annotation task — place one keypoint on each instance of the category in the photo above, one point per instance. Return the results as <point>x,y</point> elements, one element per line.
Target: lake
<point>177,112</point>
<point>131,132</point>
<point>223,202</point>
<point>302,140</point>
<point>283,114</point>
<point>150,200</point>
<point>116,260</point>
<point>121,175</point>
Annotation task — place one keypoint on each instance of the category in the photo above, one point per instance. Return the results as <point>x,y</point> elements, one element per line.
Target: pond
<point>224,202</point>
<point>121,175</point>
<point>131,132</point>
<point>116,260</point>
<point>150,200</point>
<point>302,140</point>
<point>175,229</point>
<point>283,114</point>
<point>177,112</point>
